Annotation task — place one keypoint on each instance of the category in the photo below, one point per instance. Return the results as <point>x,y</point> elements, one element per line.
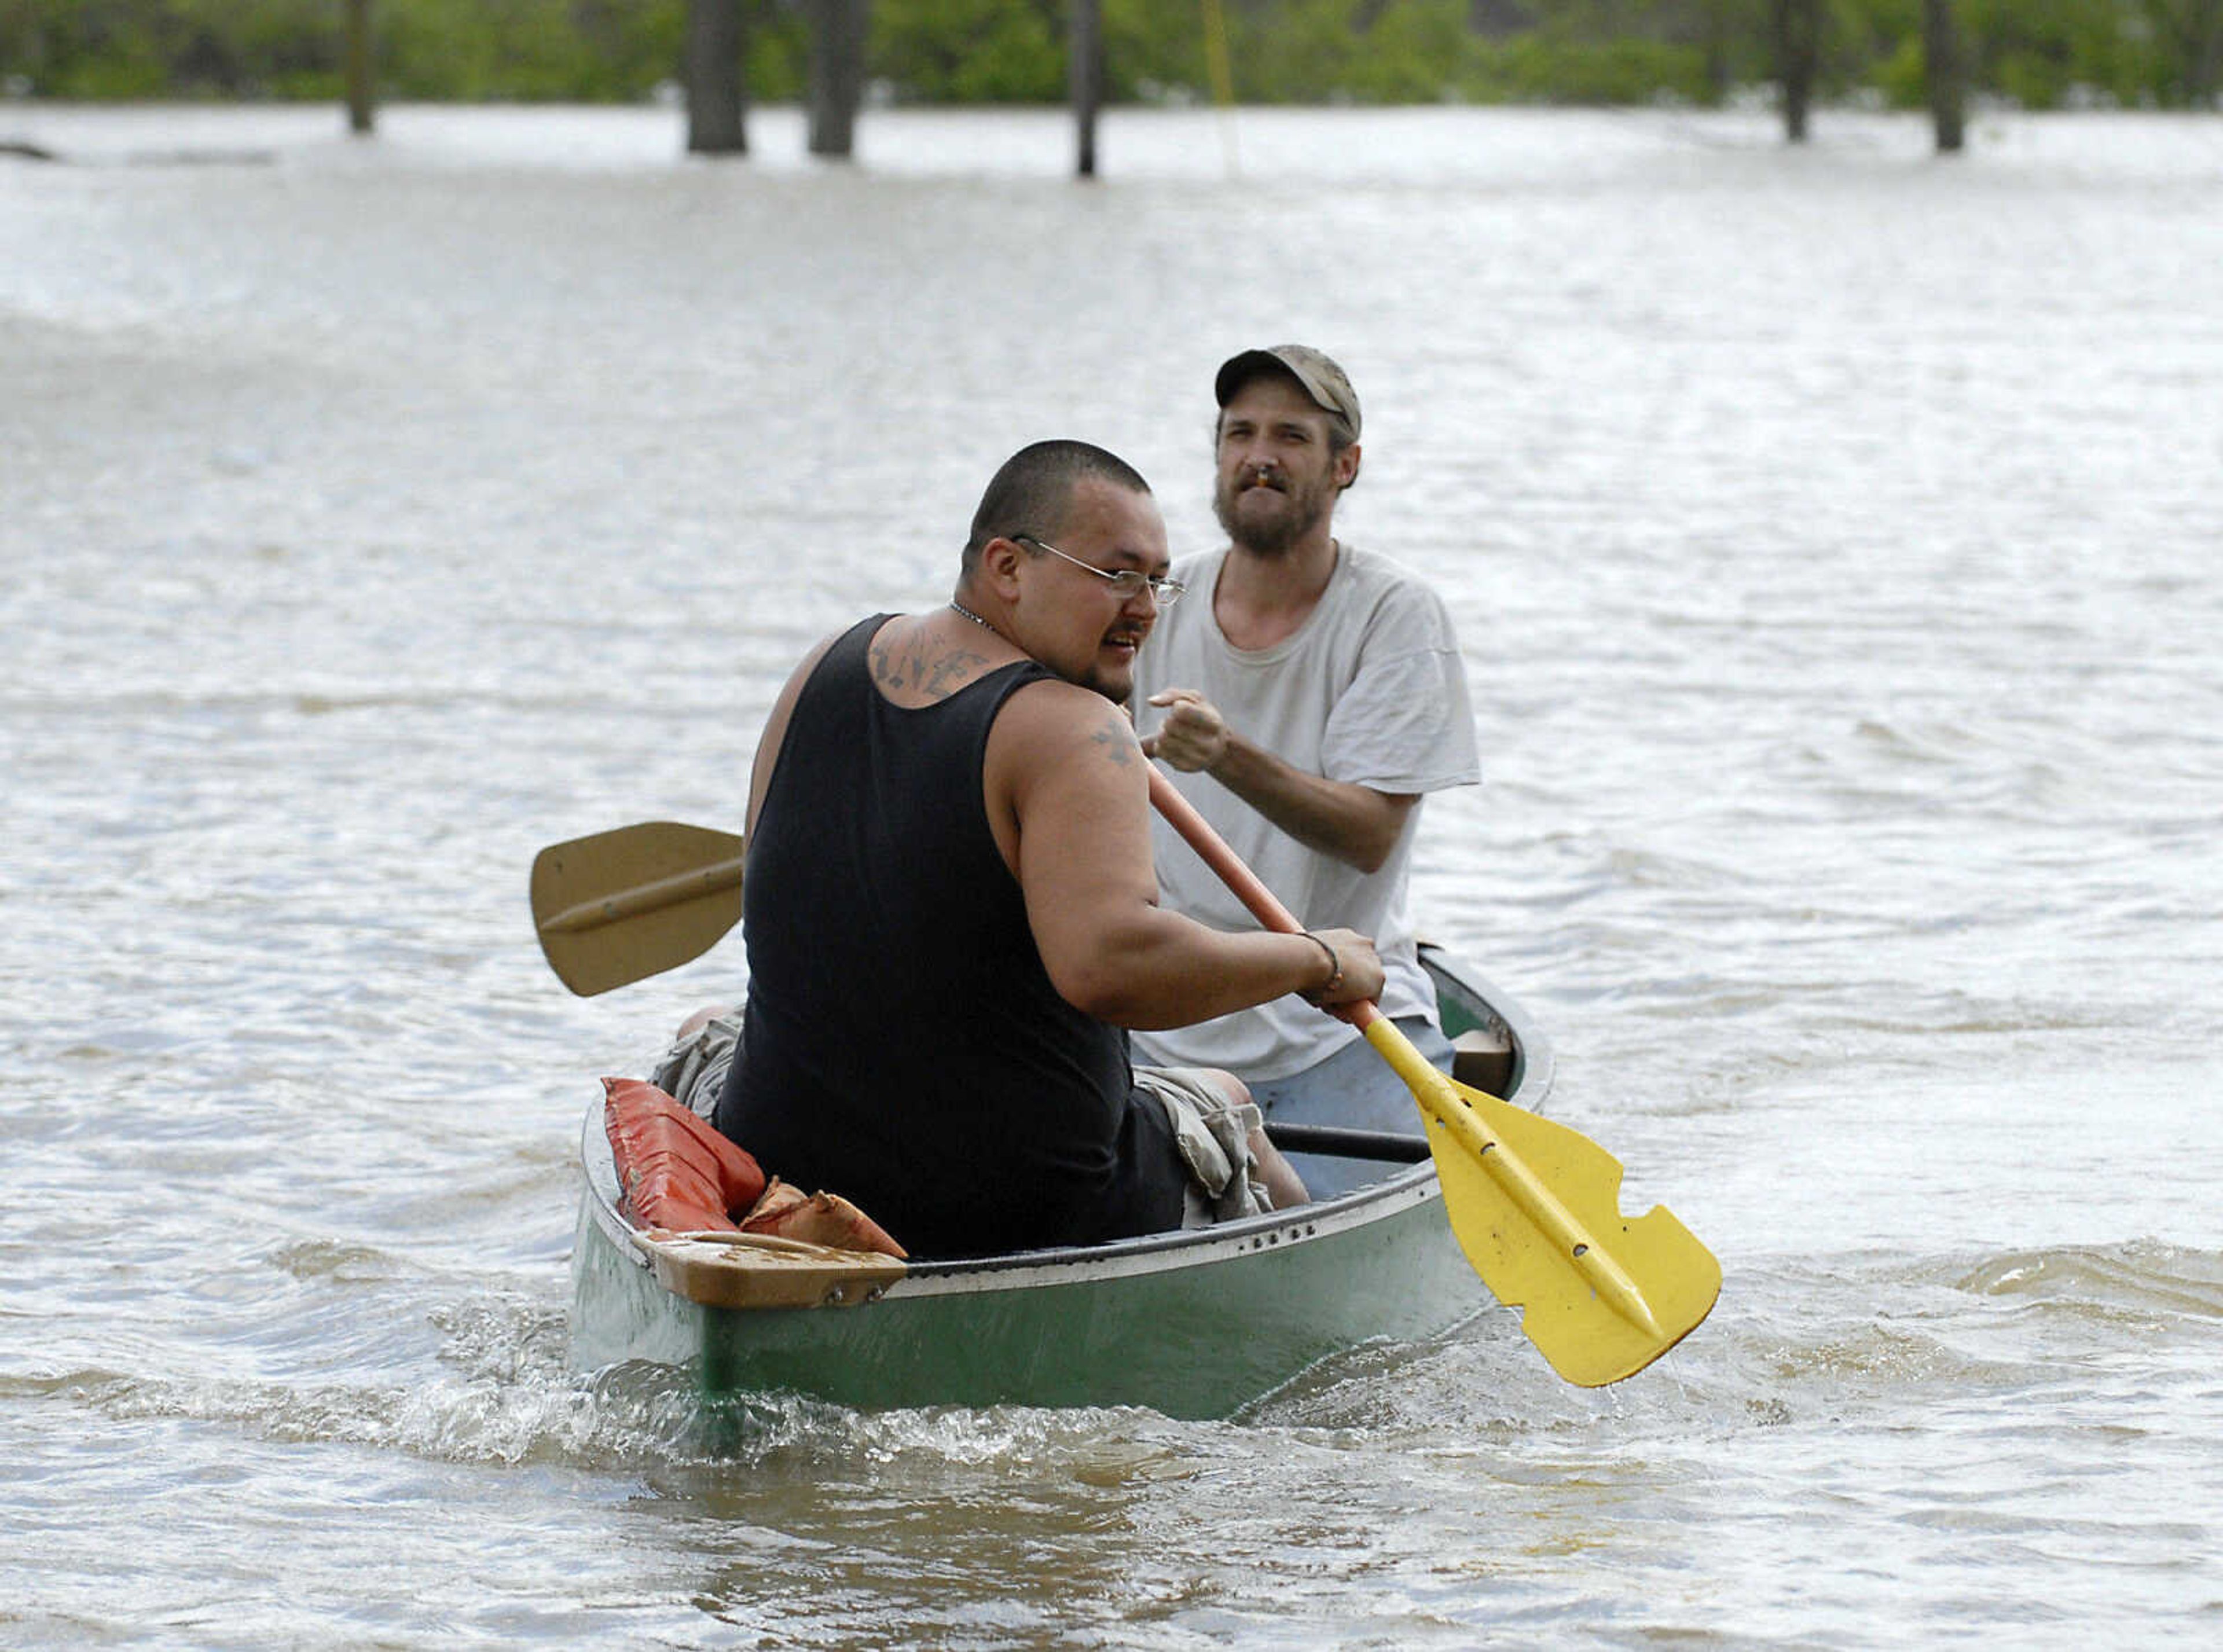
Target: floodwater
<point>1833,536</point>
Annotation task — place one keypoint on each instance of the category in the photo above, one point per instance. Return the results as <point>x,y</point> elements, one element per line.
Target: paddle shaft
<point>1181,815</point>
<point>1437,1098</point>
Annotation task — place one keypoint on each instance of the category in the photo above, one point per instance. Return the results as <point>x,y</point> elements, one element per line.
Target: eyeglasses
<point>1128,582</point>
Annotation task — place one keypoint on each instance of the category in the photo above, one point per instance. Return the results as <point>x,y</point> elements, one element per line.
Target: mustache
<point>1261,476</point>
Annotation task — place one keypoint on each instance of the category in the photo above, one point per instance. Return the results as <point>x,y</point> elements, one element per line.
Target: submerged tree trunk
<point>1085,80</point>
<point>716,109</point>
<point>2208,57</point>
<point>1715,31</point>
<point>2194,29</point>
<point>362,92</point>
<point>1798,61</point>
<point>1947,74</point>
<point>838,32</point>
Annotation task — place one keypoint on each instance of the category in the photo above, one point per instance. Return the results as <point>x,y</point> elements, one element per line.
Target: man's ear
<point>1347,467</point>
<point>999,565</point>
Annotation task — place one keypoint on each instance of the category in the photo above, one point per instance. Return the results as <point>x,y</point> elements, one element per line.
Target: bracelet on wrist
<point>1334,970</point>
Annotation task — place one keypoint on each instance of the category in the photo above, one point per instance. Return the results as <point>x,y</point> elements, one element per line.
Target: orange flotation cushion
<point>677,1172</point>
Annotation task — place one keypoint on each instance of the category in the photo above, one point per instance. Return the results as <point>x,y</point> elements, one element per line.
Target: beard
<point>1291,512</point>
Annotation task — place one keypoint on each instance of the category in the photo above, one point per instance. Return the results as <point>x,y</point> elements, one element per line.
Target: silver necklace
<point>958,607</point>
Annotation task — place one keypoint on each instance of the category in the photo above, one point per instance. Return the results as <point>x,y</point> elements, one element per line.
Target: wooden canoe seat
<point>1483,1059</point>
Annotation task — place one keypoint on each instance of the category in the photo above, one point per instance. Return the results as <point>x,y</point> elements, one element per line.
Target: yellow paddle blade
<point>620,906</point>
<point>1536,1207</point>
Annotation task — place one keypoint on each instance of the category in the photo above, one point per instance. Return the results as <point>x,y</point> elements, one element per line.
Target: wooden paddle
<point>1534,1205</point>
<point>620,906</point>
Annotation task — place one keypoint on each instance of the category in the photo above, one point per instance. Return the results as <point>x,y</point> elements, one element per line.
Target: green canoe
<point>1193,1324</point>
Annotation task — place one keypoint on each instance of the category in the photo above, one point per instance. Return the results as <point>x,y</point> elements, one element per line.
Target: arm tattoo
<point>1116,737</point>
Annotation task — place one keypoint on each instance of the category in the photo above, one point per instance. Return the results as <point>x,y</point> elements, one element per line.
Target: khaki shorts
<point>1212,1133</point>
<point>693,1070</point>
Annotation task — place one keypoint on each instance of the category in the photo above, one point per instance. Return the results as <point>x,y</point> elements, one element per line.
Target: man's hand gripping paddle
<point>1534,1205</point>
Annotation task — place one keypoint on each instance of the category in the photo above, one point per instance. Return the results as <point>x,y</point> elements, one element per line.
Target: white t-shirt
<point>1370,690</point>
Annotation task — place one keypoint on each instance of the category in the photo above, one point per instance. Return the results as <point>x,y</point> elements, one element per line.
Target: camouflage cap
<point>1324,381</point>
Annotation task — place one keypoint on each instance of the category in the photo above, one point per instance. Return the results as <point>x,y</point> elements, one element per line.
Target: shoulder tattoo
<point>1115,736</point>
<point>937,676</point>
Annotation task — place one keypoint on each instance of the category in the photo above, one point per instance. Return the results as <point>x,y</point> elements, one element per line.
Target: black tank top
<point>903,1046</point>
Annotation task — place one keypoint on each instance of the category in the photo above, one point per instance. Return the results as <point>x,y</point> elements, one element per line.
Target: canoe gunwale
<point>1022,1269</point>
<point>1148,1253</point>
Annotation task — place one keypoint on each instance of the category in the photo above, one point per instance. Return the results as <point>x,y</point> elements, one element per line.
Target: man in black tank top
<point>951,911</point>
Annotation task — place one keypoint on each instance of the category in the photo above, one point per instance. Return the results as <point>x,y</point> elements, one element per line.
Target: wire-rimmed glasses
<point>1128,582</point>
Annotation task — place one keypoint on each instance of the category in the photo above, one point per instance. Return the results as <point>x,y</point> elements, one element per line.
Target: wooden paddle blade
<point>620,906</point>
<point>1536,1207</point>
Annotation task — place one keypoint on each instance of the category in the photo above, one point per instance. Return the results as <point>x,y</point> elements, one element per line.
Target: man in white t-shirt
<point>1313,693</point>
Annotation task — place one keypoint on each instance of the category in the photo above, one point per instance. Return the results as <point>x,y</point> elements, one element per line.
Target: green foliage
<point>592,51</point>
<point>1152,48</point>
<point>574,50</point>
<point>2041,53</point>
<point>970,51</point>
<point>779,67</point>
<point>2038,52</point>
<point>1414,54</point>
<point>1539,69</point>
<point>1301,53</point>
<point>1901,76</point>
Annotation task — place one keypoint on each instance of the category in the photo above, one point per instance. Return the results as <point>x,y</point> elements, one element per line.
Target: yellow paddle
<point>620,906</point>
<point>1535,1206</point>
